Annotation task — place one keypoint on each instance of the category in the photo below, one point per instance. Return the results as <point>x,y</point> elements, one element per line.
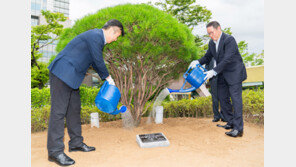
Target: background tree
<point>250,59</point>
<point>186,11</point>
<point>259,59</point>
<point>41,36</point>
<point>152,53</point>
<point>191,14</point>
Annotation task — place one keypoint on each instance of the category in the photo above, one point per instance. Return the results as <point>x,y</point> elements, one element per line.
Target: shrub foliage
<point>253,107</point>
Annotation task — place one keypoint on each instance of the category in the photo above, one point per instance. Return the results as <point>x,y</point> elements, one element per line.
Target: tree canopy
<point>155,49</point>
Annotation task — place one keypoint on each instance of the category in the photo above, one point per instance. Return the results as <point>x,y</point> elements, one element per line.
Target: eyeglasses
<point>211,33</point>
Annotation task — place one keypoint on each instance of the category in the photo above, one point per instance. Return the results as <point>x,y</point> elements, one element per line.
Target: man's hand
<point>193,64</point>
<point>110,80</point>
<point>210,74</point>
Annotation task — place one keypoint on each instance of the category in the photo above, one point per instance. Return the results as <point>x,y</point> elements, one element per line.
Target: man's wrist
<point>109,78</point>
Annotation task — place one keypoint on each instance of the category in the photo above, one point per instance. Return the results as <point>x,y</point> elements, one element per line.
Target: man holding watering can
<point>231,72</point>
<point>67,72</point>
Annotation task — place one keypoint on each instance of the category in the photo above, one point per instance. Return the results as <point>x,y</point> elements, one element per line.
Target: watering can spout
<point>181,90</point>
<point>121,110</point>
<point>171,90</point>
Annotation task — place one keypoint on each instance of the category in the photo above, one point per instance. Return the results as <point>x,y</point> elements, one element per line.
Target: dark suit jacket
<point>229,61</point>
<point>72,62</point>
<point>209,67</point>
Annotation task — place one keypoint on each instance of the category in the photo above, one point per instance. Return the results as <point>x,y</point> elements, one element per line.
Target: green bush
<point>39,76</point>
<point>253,107</point>
<point>40,117</point>
<point>88,95</point>
<point>201,106</point>
<point>41,97</point>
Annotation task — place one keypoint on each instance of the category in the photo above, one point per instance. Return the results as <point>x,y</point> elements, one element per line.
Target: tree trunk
<point>137,82</point>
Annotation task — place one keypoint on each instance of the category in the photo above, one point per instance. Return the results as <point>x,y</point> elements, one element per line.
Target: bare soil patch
<point>193,142</point>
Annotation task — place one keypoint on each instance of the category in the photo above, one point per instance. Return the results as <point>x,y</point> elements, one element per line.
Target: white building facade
<point>61,6</point>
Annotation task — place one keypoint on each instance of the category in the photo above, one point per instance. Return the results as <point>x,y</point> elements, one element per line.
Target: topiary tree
<point>155,50</point>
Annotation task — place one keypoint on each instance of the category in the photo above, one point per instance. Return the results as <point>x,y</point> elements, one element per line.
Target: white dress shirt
<point>217,45</point>
<point>105,42</point>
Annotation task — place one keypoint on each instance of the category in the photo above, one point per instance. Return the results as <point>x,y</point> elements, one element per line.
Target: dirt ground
<point>193,143</point>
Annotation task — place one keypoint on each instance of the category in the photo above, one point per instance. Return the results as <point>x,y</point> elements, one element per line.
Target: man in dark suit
<point>214,92</point>
<point>67,71</point>
<point>231,72</point>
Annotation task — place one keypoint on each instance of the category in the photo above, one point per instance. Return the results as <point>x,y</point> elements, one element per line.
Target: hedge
<point>253,107</point>
<point>40,117</point>
<point>41,97</point>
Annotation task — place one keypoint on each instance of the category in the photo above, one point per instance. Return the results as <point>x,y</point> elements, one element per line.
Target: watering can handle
<point>202,67</point>
<point>186,74</point>
<point>186,90</point>
<point>198,65</point>
<point>183,85</point>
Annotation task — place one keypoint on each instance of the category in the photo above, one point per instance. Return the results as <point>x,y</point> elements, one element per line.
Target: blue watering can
<point>195,77</point>
<point>107,99</point>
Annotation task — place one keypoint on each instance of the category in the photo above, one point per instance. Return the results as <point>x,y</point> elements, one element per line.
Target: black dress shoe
<point>83,148</point>
<point>215,119</point>
<point>225,126</point>
<point>235,133</point>
<point>61,159</point>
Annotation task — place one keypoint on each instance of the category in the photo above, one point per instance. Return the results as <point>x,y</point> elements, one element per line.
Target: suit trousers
<point>215,100</point>
<point>65,103</point>
<point>231,110</point>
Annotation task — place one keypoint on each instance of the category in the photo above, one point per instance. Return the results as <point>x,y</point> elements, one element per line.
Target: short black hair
<point>215,24</point>
<point>114,22</point>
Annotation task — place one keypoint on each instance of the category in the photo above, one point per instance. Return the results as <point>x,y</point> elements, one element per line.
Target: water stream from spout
<point>127,119</point>
<point>162,95</point>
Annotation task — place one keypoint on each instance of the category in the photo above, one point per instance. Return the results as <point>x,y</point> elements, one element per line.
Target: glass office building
<point>36,7</point>
<point>61,6</point>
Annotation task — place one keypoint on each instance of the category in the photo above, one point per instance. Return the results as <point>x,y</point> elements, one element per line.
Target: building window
<point>44,7</point>
<point>34,22</point>
<point>35,6</point>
